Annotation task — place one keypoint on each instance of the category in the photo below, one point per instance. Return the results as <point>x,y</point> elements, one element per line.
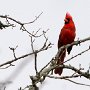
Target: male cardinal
<point>67,36</point>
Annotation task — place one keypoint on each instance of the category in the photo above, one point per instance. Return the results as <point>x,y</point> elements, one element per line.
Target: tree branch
<point>77,82</point>
<point>40,77</point>
<point>20,23</point>
<point>44,47</point>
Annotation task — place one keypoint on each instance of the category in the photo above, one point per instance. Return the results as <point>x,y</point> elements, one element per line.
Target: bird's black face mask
<point>67,20</point>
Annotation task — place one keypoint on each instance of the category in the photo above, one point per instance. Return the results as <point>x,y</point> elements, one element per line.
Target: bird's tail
<point>59,70</point>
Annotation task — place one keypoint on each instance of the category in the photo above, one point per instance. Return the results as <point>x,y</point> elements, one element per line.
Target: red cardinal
<point>67,36</point>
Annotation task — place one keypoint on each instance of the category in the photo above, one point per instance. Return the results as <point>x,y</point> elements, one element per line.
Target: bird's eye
<point>67,20</point>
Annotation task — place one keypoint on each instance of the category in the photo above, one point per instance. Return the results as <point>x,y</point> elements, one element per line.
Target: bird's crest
<point>68,15</point>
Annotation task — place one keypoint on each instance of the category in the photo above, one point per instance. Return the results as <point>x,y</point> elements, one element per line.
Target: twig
<point>20,23</point>
<point>78,69</point>
<point>84,74</point>
<point>8,66</point>
<point>36,63</point>
<point>13,49</point>
<point>68,45</point>
<point>77,55</point>
<point>76,82</point>
<point>63,77</point>
<point>36,17</point>
<point>68,78</point>
<point>26,55</point>
<point>35,54</point>
<point>7,17</point>
<point>16,59</point>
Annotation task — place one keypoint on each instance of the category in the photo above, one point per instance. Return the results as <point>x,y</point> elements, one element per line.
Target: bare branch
<point>26,55</point>
<point>84,74</point>
<point>7,17</point>
<point>68,45</point>
<point>64,77</point>
<point>35,54</point>
<point>20,23</point>
<point>76,82</point>
<point>36,17</point>
<point>13,49</point>
<point>77,55</point>
<point>36,63</point>
<point>47,68</point>
<point>8,66</point>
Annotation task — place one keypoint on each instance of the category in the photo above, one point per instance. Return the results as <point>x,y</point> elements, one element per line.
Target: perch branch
<point>45,71</point>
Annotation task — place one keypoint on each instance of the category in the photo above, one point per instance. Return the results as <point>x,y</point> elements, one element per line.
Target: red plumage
<point>67,36</point>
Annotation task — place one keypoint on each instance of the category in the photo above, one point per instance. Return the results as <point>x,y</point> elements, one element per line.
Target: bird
<point>66,36</point>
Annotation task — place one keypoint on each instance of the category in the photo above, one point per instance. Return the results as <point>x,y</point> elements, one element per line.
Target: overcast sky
<point>53,19</point>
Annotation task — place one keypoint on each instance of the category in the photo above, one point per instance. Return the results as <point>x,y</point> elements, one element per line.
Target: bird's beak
<point>65,20</point>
